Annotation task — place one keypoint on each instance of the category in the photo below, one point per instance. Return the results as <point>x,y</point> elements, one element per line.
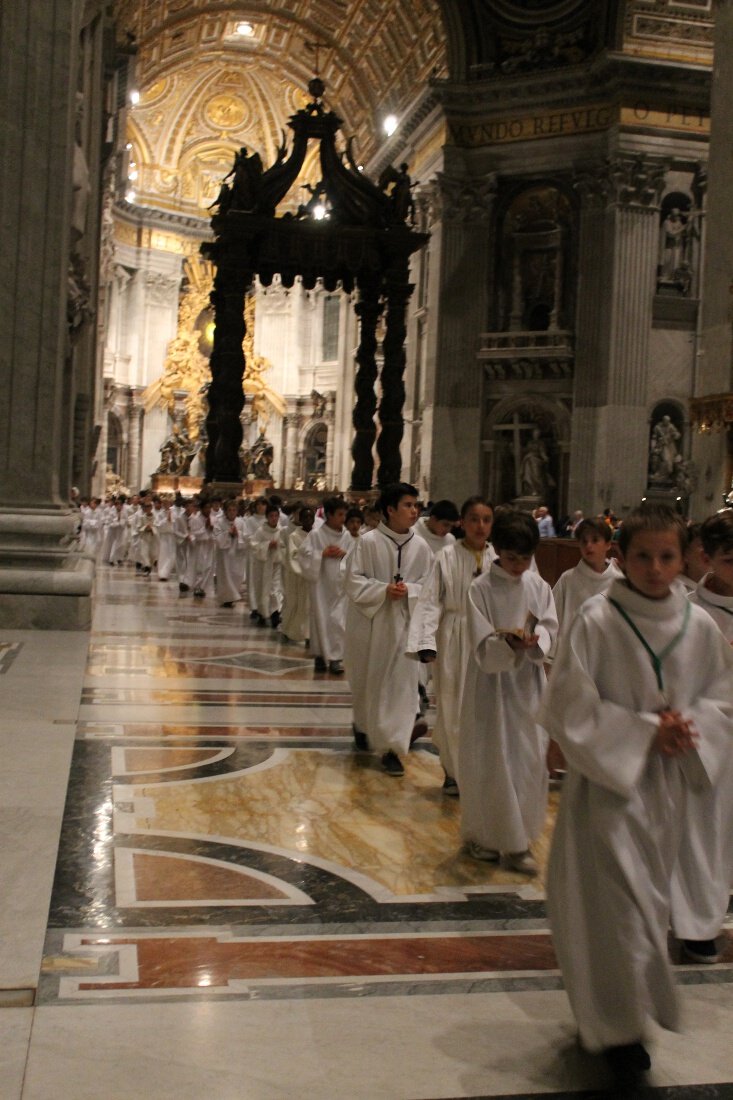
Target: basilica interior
<point>481,246</point>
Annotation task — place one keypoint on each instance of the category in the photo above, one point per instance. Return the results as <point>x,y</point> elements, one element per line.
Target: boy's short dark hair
<point>275,499</point>
<point>516,531</point>
<point>593,526</point>
<point>355,513</point>
<point>272,508</point>
<point>716,532</point>
<point>333,504</point>
<point>393,494</point>
<point>446,510</point>
<point>468,505</point>
<point>651,517</point>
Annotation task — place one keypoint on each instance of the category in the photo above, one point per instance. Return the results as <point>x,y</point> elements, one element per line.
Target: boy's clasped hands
<point>675,735</point>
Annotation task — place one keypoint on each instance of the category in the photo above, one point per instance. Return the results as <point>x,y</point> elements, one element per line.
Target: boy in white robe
<point>117,535</point>
<point>200,575</point>
<point>354,522</point>
<point>254,566</point>
<point>436,527</point>
<point>163,519</point>
<point>594,573</point>
<point>320,559</point>
<point>438,629</point>
<point>642,721</point>
<point>229,537</point>
<point>184,544</point>
<point>268,549</point>
<point>142,525</point>
<point>501,760</point>
<point>383,575</point>
<point>295,623</point>
<point>702,877</point>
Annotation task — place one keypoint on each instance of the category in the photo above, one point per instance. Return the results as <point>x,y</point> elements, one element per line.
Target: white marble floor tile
<point>381,1048</point>
<point>33,781</point>
<point>44,681</point>
<point>15,1028</point>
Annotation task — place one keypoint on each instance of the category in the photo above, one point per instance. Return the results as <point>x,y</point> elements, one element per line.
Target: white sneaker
<point>523,862</point>
<point>477,851</point>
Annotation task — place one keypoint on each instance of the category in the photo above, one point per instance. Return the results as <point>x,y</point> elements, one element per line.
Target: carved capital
<point>161,289</point>
<point>465,200</point>
<point>623,181</point>
<point>636,181</point>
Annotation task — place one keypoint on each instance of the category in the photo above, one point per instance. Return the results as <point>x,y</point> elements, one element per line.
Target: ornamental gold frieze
<point>570,121</point>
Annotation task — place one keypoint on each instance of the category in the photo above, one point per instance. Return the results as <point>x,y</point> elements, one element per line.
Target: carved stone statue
<point>663,451</point>
<point>261,455</point>
<point>534,469</point>
<point>675,252</point>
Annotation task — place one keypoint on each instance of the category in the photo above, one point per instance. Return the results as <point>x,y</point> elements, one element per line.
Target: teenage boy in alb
<point>640,701</point>
<point>320,559</point>
<point>383,576</point>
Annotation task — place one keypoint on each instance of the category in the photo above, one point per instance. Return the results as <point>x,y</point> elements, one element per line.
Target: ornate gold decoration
<point>712,413</point>
<point>226,112</point>
<point>264,398</point>
<point>186,368</point>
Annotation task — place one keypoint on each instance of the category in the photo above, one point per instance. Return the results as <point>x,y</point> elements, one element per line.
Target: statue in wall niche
<point>664,454</point>
<point>534,468</point>
<point>319,404</point>
<point>677,234</point>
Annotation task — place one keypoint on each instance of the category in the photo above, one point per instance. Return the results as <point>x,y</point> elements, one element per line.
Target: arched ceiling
<point>206,90</point>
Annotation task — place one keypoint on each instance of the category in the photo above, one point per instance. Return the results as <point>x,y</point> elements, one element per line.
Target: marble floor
<point>207,892</point>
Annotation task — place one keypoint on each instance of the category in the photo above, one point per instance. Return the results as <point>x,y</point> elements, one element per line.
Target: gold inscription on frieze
<point>578,120</point>
<point>574,120</point>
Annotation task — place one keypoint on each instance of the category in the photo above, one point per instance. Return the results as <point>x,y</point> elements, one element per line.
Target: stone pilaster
<point>134,445</point>
<point>458,298</point>
<point>617,271</point>
<point>711,451</point>
<point>42,584</point>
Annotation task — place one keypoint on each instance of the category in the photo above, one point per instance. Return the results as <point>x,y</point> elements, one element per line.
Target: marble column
<point>617,279</point>
<point>134,444</point>
<point>42,584</point>
<point>458,289</point>
<point>714,373</point>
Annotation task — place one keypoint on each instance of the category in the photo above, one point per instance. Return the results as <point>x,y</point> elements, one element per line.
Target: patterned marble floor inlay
<point>222,839</point>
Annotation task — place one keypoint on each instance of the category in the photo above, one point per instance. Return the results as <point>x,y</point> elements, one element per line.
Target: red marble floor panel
<point>174,878</point>
<point>179,963</point>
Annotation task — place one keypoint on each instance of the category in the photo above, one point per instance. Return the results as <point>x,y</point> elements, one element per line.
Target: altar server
<point>268,549</point>
<point>320,559</point>
<point>383,575</point>
<point>641,702</point>
<point>436,527</point>
<point>230,539</point>
<point>594,573</point>
<point>295,623</point>
<point>145,538</point>
<point>438,631</point>
<point>501,761</point>
<point>163,519</point>
<point>702,877</point>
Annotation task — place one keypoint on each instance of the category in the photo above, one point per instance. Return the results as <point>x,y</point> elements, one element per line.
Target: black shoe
<point>423,696</point>
<point>254,616</point>
<point>183,587</point>
<point>418,730</point>
<point>392,764</point>
<point>138,567</point>
<point>450,786</point>
<point>700,951</point>
<point>199,593</point>
<point>336,668</point>
<point>320,665</point>
<point>229,603</point>
<point>261,620</point>
<point>628,1064</point>
<point>361,741</point>
<point>275,620</point>
<point>147,570</point>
